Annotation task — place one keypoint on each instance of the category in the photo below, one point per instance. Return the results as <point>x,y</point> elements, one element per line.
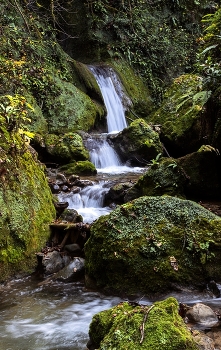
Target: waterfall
<point>102,155</point>
<point>89,202</point>
<point>108,82</point>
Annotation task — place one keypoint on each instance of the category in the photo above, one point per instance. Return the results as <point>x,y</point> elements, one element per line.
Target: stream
<point>56,316</point>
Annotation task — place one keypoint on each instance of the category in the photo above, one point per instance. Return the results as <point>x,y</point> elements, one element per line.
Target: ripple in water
<point>51,317</point>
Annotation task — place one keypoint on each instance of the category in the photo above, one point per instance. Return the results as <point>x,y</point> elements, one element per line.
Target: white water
<point>49,317</point>
<point>102,155</point>
<point>116,120</point>
<point>89,202</point>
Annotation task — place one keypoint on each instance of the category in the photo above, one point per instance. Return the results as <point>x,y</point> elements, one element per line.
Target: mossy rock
<point>119,328</point>
<point>68,147</point>
<point>163,177</point>
<point>204,170</point>
<point>139,142</point>
<point>71,110</point>
<point>26,204</point>
<point>142,104</point>
<point>79,168</point>
<point>131,250</point>
<point>182,115</point>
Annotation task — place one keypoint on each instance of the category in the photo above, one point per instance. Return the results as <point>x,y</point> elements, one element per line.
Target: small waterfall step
<point>102,154</point>
<point>89,201</point>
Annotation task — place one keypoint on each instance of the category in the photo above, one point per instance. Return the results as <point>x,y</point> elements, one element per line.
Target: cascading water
<point>89,202</point>
<point>102,155</point>
<point>107,80</point>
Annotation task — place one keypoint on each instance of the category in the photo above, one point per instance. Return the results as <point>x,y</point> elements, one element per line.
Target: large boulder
<point>152,243</point>
<point>26,202</point>
<point>203,170</point>
<point>182,115</point>
<point>129,326</point>
<point>139,142</point>
<point>65,148</point>
<point>163,177</point>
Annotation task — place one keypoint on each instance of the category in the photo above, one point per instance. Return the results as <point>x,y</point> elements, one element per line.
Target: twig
<point>143,324</point>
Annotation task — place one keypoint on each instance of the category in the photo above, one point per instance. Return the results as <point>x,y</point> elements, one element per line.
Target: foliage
<point>181,114</point>
<point>157,38</point>
<point>209,56</point>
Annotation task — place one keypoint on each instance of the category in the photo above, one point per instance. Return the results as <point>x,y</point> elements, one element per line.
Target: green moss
<point>139,140</point>
<point>120,328</point>
<point>66,148</point>
<point>181,112</point>
<point>135,242</point>
<point>26,205</point>
<point>135,88</point>
<point>70,110</point>
<point>79,168</point>
<point>164,177</point>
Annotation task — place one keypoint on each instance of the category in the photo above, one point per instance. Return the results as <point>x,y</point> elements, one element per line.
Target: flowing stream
<point>56,316</point>
<point>89,202</point>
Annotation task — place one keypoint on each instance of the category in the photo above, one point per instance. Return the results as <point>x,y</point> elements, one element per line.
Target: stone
<point>52,262</point>
<point>129,326</point>
<point>130,250</point>
<point>72,272</point>
<point>74,249</point>
<point>203,341</point>
<point>203,314</point>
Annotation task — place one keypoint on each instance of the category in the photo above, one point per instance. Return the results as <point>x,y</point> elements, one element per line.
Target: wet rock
<point>214,288</point>
<point>83,183</point>
<point>75,189</point>
<point>52,262</point>
<point>73,178</point>
<point>60,207</point>
<point>62,178</point>
<point>129,326</point>
<point>64,188</point>
<point>164,177</point>
<point>203,170</point>
<point>215,334</point>
<point>73,249</point>
<point>55,188</point>
<point>203,341</point>
<point>138,142</point>
<point>71,215</point>
<point>202,314</point>
<point>136,241</point>
<point>118,191</point>
<point>72,272</point>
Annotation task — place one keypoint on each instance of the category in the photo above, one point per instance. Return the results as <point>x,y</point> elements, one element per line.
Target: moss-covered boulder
<point>163,177</point>
<point>128,327</point>
<point>203,170</point>
<point>182,115</point>
<point>25,198</point>
<point>151,243</point>
<point>66,148</point>
<point>79,168</point>
<point>142,103</point>
<point>139,142</point>
<point>70,110</point>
